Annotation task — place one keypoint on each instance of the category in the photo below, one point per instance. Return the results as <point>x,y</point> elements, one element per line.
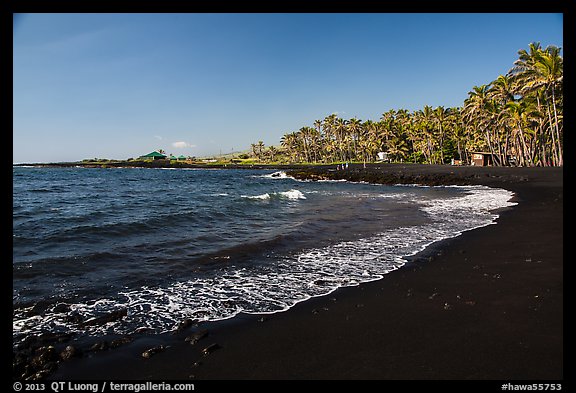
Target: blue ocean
<point>172,244</point>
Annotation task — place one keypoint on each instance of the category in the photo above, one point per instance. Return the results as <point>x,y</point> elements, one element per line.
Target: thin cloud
<point>182,145</point>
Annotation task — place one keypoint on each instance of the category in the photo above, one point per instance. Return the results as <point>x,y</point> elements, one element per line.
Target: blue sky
<point>122,85</point>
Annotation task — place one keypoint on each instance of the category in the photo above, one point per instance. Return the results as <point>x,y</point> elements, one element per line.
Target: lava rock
<point>99,346</point>
<point>43,356</point>
<point>61,308</point>
<point>210,348</point>
<point>41,365</point>
<point>109,317</point>
<point>69,352</point>
<point>186,323</point>
<point>74,317</point>
<point>39,308</point>
<point>147,354</point>
<point>197,336</point>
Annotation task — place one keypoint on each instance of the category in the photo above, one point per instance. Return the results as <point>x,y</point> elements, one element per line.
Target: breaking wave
<point>291,194</point>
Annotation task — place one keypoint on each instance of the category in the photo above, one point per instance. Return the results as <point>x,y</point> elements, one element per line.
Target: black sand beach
<point>487,304</point>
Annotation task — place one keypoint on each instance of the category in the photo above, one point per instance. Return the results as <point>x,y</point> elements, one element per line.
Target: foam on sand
<point>274,287</point>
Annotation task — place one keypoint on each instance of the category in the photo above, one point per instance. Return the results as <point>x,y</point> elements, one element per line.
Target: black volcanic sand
<point>487,304</point>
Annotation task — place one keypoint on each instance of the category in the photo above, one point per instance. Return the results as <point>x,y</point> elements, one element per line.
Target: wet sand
<point>487,304</point>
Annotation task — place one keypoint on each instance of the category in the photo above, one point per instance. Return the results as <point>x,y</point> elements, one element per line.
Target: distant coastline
<point>157,164</point>
<point>376,173</point>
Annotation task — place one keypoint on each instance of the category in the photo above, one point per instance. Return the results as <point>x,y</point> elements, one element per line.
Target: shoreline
<point>354,331</point>
<point>158,164</point>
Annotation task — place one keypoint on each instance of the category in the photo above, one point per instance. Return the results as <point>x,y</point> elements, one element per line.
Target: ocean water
<point>167,245</point>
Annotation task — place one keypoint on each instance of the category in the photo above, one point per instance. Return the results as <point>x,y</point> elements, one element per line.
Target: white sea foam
<point>276,287</point>
<point>291,194</point>
<point>275,175</point>
<point>261,196</point>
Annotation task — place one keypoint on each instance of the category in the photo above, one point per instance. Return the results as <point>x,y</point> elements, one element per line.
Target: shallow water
<point>209,244</point>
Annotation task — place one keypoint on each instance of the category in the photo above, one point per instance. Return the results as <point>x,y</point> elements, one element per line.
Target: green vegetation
<point>99,161</point>
<point>518,118</point>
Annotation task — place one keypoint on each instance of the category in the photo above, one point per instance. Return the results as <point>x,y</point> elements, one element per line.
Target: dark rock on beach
<point>61,308</point>
<point>74,317</point>
<point>44,361</point>
<point>37,356</point>
<point>147,354</point>
<point>69,352</point>
<point>108,317</point>
<point>100,346</point>
<point>183,325</point>
<point>197,336</point>
<point>210,348</point>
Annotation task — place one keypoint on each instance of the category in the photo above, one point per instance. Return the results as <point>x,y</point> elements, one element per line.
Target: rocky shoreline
<point>427,175</point>
<point>37,357</point>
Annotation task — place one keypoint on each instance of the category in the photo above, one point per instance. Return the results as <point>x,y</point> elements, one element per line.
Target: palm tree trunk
<point>555,158</point>
<point>489,142</point>
<point>525,149</point>
<point>506,147</point>
<point>560,161</point>
<point>543,147</point>
<point>497,157</point>
<point>542,135</point>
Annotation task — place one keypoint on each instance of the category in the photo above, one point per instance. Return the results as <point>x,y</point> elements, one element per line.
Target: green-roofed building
<point>172,158</point>
<point>181,157</point>
<point>153,156</point>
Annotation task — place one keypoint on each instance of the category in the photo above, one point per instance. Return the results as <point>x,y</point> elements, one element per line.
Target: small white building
<point>382,156</point>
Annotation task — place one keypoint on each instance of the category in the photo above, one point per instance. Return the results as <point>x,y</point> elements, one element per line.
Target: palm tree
<point>550,76</point>
<point>354,131</point>
<point>318,125</point>
<point>257,149</point>
<point>440,115</point>
<point>398,148</point>
<point>387,125</point>
<point>254,148</point>
<point>460,136</point>
<point>341,133</point>
<point>329,128</point>
<point>502,89</point>
<point>542,70</point>
<point>480,112</point>
<point>371,141</point>
<point>519,114</point>
<point>290,144</point>
<point>272,151</point>
<point>260,147</point>
<point>425,125</point>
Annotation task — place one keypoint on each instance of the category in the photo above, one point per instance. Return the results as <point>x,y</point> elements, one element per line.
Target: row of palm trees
<point>518,118</point>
